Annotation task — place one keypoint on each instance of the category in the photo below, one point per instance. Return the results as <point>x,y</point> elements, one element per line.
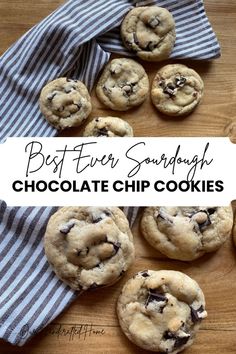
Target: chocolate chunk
<point>162,83</point>
<point>180,341</point>
<point>169,335</point>
<point>135,38</point>
<point>96,120</point>
<point>102,132</point>
<point>155,295</point>
<point>180,81</point>
<point>122,273</point>
<point>51,96</point>
<point>94,286</point>
<point>78,106</point>
<point>65,229</point>
<point>67,90</point>
<point>107,213</point>
<point>116,247</point>
<point>128,90</point>
<point>145,274</point>
<point>151,46</point>
<point>95,221</point>
<point>194,314</point>
<point>211,211</point>
<point>170,89</point>
<point>164,217</point>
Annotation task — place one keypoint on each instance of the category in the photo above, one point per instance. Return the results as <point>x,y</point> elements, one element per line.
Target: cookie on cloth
<point>65,103</point>
<point>108,127</point>
<point>149,32</point>
<point>89,247</point>
<point>176,90</point>
<point>161,311</point>
<point>123,84</point>
<point>186,233</point>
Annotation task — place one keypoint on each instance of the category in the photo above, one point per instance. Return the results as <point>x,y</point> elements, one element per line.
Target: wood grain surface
<point>90,325</point>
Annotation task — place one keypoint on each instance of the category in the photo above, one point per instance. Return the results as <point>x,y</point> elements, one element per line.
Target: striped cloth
<point>75,41</point>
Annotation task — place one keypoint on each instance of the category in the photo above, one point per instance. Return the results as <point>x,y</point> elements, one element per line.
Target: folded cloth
<point>75,41</point>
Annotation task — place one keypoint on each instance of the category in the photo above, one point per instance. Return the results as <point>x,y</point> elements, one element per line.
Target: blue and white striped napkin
<point>75,41</point>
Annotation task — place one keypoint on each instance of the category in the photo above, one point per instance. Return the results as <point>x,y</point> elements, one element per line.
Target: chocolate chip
<point>102,132</point>
<point>97,120</point>
<point>78,252</point>
<point>194,313</point>
<point>164,217</point>
<point>105,89</point>
<point>180,81</point>
<point>95,221</point>
<point>180,341</point>
<point>211,211</point>
<point>107,213</point>
<point>122,273</point>
<point>162,83</point>
<point>51,96</point>
<point>78,105</point>
<point>155,295</point>
<point>135,38</point>
<point>169,89</point>
<point>145,274</point>
<point>67,90</point>
<point>116,247</point>
<point>94,286</point>
<point>65,229</point>
<point>128,90</point>
<point>151,46</point>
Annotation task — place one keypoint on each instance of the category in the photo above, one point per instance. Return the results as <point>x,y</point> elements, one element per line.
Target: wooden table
<point>93,314</point>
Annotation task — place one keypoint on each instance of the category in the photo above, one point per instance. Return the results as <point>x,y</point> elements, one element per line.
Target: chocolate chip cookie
<point>176,90</point>
<point>108,127</point>
<point>65,103</point>
<point>161,311</point>
<point>149,32</point>
<point>186,233</point>
<point>123,84</point>
<point>89,247</point>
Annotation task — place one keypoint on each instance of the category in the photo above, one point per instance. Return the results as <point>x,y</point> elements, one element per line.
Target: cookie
<point>161,310</point>
<point>89,247</point>
<point>149,32</point>
<point>108,127</point>
<point>176,90</point>
<point>65,103</point>
<point>186,233</point>
<point>123,84</point>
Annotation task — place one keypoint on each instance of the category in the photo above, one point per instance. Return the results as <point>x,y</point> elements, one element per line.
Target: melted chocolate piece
<point>194,314</point>
<point>95,221</point>
<point>155,295</point>
<point>211,211</point>
<point>135,38</point>
<point>66,228</point>
<point>164,217</point>
<point>145,274</point>
<point>151,46</point>
<point>50,97</point>
<point>180,81</point>
<point>116,246</point>
<point>102,132</point>
<point>122,273</point>
<point>169,89</point>
<point>78,106</point>
<point>180,341</point>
